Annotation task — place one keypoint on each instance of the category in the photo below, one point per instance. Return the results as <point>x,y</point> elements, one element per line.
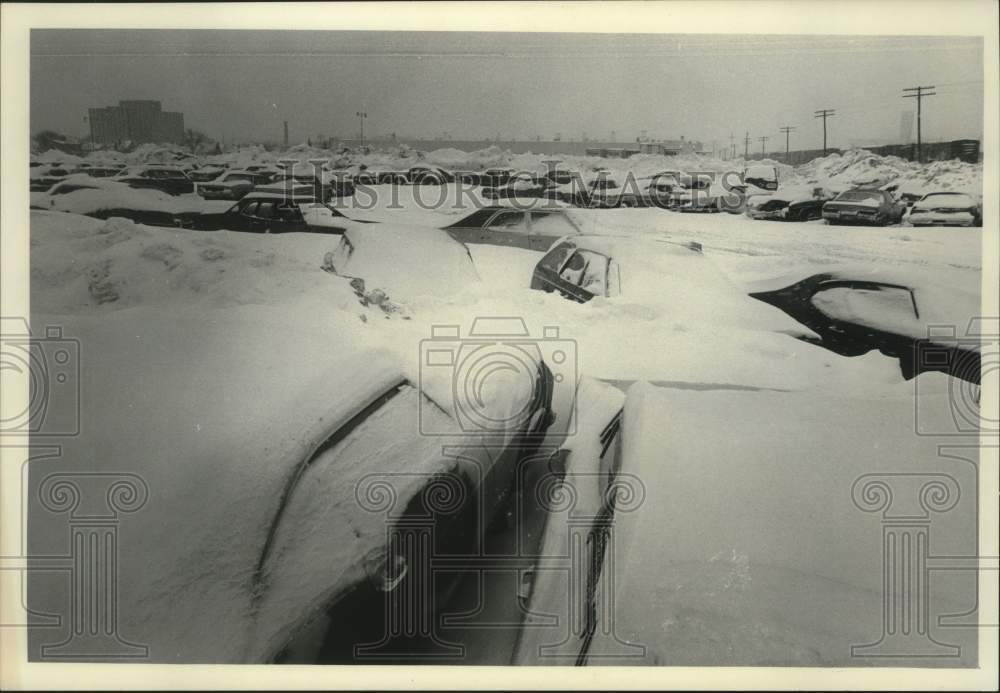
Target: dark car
<point>170,179</point>
<point>864,207</point>
<point>272,212</point>
<point>532,229</point>
<point>791,205</point>
<point>854,316</point>
<point>425,175</point>
<point>206,173</point>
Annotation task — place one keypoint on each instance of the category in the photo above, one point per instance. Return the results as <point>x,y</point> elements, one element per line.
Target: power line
<point>918,93</point>
<point>824,114</point>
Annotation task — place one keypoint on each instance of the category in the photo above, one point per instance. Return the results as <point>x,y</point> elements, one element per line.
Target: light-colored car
<point>946,209</point>
<point>231,185</point>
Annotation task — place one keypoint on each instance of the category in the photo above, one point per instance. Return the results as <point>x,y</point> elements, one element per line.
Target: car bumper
<point>942,220</point>
<point>855,219</point>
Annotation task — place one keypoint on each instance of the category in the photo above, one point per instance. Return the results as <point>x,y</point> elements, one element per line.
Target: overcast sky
<point>243,84</point>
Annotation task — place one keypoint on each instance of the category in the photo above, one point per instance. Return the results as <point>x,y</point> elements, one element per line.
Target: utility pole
<point>824,114</point>
<point>746,146</point>
<point>786,129</point>
<point>361,116</point>
<point>763,145</point>
<point>918,94</point>
<point>286,134</point>
<point>732,146</point>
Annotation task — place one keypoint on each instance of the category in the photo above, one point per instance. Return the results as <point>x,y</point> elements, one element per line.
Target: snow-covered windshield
<point>888,308</point>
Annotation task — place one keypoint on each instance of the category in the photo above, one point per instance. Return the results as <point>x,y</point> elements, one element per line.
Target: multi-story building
<point>137,122</point>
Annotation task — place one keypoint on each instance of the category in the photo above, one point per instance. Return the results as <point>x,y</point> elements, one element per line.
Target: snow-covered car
<point>100,171</point>
<point>855,310</point>
<point>103,198</point>
<point>231,185</point>
<point>427,175</point>
<point>532,229</point>
<point>946,209</point>
<point>520,185</point>
<point>802,203</point>
<point>206,173</point>
<point>170,179</point>
<point>402,260</point>
<point>268,212</point>
<point>325,184</point>
<point>599,191</point>
<point>713,527</point>
<point>650,191</point>
<point>864,206</point>
<point>662,271</point>
<point>44,177</point>
<point>308,489</point>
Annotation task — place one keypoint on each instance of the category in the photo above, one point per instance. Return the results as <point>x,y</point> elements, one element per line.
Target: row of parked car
<point>755,192</point>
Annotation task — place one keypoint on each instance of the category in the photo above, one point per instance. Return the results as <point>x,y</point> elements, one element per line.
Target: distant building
<point>671,147</point>
<point>136,121</point>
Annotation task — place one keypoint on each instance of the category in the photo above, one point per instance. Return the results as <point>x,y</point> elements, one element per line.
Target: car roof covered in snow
<point>406,261</point>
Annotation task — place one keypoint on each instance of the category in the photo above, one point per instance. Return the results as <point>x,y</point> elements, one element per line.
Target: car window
<point>888,308</point>
<point>508,220</point>
<point>595,274</point>
<point>265,210</point>
<point>250,210</point>
<point>290,214</point>
<point>475,220</point>
<point>551,224</point>
<point>554,259</point>
<point>872,196</point>
<point>588,270</point>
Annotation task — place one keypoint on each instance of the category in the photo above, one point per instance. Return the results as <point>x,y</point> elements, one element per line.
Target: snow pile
<point>861,168</point>
<point>80,264</point>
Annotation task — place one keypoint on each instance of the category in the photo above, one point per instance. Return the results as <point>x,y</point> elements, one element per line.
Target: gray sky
<point>243,84</point>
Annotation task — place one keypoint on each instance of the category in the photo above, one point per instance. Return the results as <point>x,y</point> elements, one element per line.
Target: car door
<point>244,217</point>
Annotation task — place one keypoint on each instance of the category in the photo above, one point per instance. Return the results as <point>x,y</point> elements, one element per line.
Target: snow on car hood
<point>763,546</point>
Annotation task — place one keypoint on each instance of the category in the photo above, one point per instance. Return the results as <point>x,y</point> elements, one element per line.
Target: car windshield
<point>860,196</point>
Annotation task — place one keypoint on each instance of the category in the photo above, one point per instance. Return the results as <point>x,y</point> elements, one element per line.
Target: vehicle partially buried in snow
<point>800,546</point>
<point>268,212</point>
<point>401,261</point>
<point>854,310</point>
<point>311,490</point>
<point>946,209</point>
<point>534,228</point>
<point>864,207</point>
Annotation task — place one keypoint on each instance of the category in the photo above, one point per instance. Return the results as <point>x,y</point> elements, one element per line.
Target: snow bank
<point>83,265</point>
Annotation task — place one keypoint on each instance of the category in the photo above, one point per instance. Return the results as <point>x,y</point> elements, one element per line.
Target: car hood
<point>210,415</point>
